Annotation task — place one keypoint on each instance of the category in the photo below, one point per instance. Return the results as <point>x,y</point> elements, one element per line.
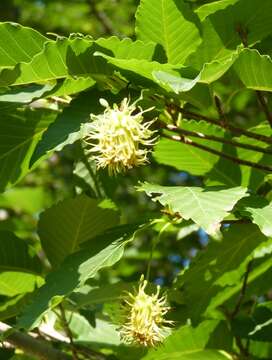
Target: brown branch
<point>218,139</point>
<point>68,331</point>
<point>219,153</point>
<point>242,292</point>
<point>263,103</point>
<point>31,346</point>
<point>102,17</point>
<point>220,111</point>
<point>231,128</point>
<point>243,348</point>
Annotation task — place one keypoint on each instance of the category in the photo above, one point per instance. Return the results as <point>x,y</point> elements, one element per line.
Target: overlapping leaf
<point>146,73</point>
<point>102,251</point>
<point>221,268</point>
<point>206,207</point>
<point>18,140</point>
<point>260,211</point>
<point>14,283</point>
<point>187,339</point>
<point>59,59</point>
<point>26,94</point>
<point>128,49</point>
<point>254,70</point>
<point>187,158</point>
<point>210,8</point>
<point>223,33</point>
<point>226,172</point>
<point>171,24</point>
<point>14,255</point>
<point>18,44</point>
<point>68,125</point>
<point>63,227</point>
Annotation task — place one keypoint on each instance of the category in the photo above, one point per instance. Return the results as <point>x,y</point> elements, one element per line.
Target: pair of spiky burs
<point>119,138</point>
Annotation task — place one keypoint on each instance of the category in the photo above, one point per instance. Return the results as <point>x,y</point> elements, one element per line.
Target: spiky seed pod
<point>119,137</point>
<point>144,322</point>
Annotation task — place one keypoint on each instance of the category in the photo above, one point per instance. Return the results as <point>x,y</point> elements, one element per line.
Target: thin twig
<point>68,332</point>
<point>263,103</point>
<point>231,128</point>
<point>220,111</point>
<point>218,139</point>
<point>102,17</point>
<point>218,153</point>
<point>39,349</point>
<point>242,292</point>
<point>243,349</point>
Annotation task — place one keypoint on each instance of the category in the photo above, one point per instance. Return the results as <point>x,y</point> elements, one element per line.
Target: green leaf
<point>172,25</point>
<point>228,173</point>
<point>11,306</point>
<point>13,283</point>
<point>208,9</point>
<point>127,49</point>
<point>196,355</point>
<point>221,38</point>
<point>6,354</point>
<point>63,227</point>
<point>18,140</point>
<point>207,207</point>
<point>27,94</point>
<point>188,158</point>
<point>144,72</point>
<point>100,252</point>
<point>14,255</point>
<point>103,334</point>
<point>70,86</point>
<point>105,293</point>
<point>28,199</point>
<point>222,266</point>
<point>254,70</point>
<point>187,339</point>
<point>66,129</point>
<point>258,326</point>
<point>58,60</point>
<point>18,44</point>
<point>259,211</point>
<point>177,83</point>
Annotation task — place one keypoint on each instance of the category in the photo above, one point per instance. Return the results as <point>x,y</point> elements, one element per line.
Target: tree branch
<point>226,126</point>
<point>188,141</point>
<point>263,103</point>
<point>242,292</point>
<point>68,331</point>
<point>102,17</point>
<point>243,348</point>
<point>31,346</point>
<point>218,139</point>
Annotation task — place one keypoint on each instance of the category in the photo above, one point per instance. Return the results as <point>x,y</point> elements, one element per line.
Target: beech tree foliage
<point>136,188</point>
